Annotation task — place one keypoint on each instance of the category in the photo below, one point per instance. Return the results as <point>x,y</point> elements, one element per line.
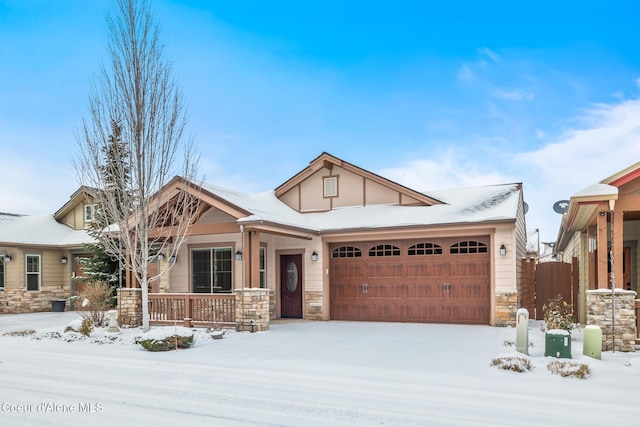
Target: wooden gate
<point>546,280</point>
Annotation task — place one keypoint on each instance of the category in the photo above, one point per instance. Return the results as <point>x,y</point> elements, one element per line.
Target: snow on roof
<point>597,190</point>
<point>41,230</point>
<point>468,205</point>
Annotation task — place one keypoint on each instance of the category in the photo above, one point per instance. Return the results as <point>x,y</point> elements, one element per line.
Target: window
<point>211,270</point>
<point>1,272</point>
<point>469,247</point>
<point>330,186</point>
<point>346,252</point>
<point>425,249</point>
<point>263,267</point>
<point>32,263</point>
<point>89,213</point>
<point>384,250</point>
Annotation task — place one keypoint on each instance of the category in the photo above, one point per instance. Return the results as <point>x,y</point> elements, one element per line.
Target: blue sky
<point>433,95</point>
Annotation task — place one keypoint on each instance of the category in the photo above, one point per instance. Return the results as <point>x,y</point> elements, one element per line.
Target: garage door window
<point>384,250</point>
<point>469,247</point>
<point>346,252</point>
<point>425,249</point>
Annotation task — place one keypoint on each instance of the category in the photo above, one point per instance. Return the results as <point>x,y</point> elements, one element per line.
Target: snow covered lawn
<point>303,373</point>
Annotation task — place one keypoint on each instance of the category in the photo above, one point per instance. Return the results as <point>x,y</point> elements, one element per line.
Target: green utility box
<point>557,343</point>
<point>592,345</point>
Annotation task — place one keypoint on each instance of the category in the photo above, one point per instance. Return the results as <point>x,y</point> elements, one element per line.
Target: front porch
<point>246,309</point>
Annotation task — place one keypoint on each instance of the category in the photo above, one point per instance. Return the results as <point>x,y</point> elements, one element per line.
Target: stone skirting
<point>313,304</point>
<point>17,301</point>
<point>619,334</point>
<point>506,308</point>
<point>252,309</point>
<point>130,307</point>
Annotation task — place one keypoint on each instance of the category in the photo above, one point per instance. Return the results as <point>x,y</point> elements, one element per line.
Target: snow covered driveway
<point>303,373</point>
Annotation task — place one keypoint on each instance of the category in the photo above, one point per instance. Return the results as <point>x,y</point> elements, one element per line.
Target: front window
<point>1,273</point>
<point>32,263</point>
<point>263,267</point>
<point>211,270</point>
<point>89,213</point>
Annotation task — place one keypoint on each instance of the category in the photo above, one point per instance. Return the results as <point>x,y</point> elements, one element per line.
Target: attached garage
<point>443,280</point>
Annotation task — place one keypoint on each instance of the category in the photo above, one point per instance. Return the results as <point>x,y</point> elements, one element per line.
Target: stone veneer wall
<point>313,305</point>
<point>21,301</point>
<point>506,308</point>
<point>622,331</point>
<point>130,307</point>
<point>272,304</point>
<point>252,309</point>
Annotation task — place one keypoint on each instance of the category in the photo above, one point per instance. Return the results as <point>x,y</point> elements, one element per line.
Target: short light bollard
<point>113,322</point>
<point>522,331</point>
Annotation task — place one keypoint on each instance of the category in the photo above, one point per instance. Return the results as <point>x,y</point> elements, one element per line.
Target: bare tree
<point>129,148</point>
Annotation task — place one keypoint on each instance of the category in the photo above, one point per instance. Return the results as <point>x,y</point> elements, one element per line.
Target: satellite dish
<point>561,206</point>
<point>526,207</point>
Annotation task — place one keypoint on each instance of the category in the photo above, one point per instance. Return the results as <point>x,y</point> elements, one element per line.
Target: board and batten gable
<point>354,187</point>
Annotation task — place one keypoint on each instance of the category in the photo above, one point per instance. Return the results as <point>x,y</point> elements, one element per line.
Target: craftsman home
<point>338,242</point>
<point>39,253</point>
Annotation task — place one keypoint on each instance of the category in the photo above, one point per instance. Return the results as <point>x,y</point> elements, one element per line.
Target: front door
<point>291,286</point>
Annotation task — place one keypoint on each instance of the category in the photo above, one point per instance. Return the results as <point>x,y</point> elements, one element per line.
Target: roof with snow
<point>41,230</point>
<point>467,205</point>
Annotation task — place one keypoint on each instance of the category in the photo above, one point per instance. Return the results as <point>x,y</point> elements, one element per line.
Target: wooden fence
<point>204,310</point>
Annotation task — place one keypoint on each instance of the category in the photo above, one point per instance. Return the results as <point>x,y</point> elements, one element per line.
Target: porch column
<point>601,236</point>
<point>618,256</point>
<point>254,269</point>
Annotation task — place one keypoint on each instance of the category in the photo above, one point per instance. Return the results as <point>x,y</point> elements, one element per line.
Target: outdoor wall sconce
<point>503,250</point>
<point>602,213</point>
<point>238,255</point>
<point>314,256</point>
<point>64,260</point>
<point>160,256</point>
<point>7,258</point>
<point>172,259</point>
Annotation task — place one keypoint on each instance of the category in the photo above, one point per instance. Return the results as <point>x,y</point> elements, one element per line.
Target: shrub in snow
<point>96,301</point>
<point>86,328</point>
<point>558,314</point>
<point>512,363</point>
<point>167,338</point>
<point>569,369</point>
<point>73,326</point>
<point>22,333</point>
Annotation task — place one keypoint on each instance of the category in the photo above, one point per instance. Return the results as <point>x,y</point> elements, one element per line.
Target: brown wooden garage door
<point>431,280</point>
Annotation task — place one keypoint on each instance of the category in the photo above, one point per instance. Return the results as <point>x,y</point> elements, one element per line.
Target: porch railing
<point>205,310</point>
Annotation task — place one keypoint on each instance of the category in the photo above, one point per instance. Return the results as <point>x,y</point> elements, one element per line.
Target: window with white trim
<point>330,185</point>
<point>211,270</point>
<point>263,267</point>
<point>1,272</point>
<point>33,273</point>
<point>89,213</point>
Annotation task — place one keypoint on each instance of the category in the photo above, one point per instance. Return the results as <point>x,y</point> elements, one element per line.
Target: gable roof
<point>326,160</point>
<point>459,206</point>
<point>77,197</point>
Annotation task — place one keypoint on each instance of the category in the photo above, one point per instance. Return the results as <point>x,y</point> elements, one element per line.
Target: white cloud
<point>465,74</point>
<point>513,95</point>
<point>485,51</point>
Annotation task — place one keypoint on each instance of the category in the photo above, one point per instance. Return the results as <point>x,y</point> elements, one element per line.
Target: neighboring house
<point>603,218</point>
<point>38,255</point>
<point>339,242</point>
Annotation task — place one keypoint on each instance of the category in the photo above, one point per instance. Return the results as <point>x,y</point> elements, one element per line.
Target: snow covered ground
<point>303,373</point>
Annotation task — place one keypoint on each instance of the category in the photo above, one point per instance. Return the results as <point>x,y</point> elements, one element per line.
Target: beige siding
<point>215,216</point>
<point>311,193</point>
<point>350,189</point>
<point>506,275</point>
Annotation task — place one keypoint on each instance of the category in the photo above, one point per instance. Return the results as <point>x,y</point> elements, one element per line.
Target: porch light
<point>503,250</point>
<point>238,255</point>
<point>64,260</point>
<point>172,259</point>
<point>160,256</point>
<point>7,258</point>
<point>314,256</point>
